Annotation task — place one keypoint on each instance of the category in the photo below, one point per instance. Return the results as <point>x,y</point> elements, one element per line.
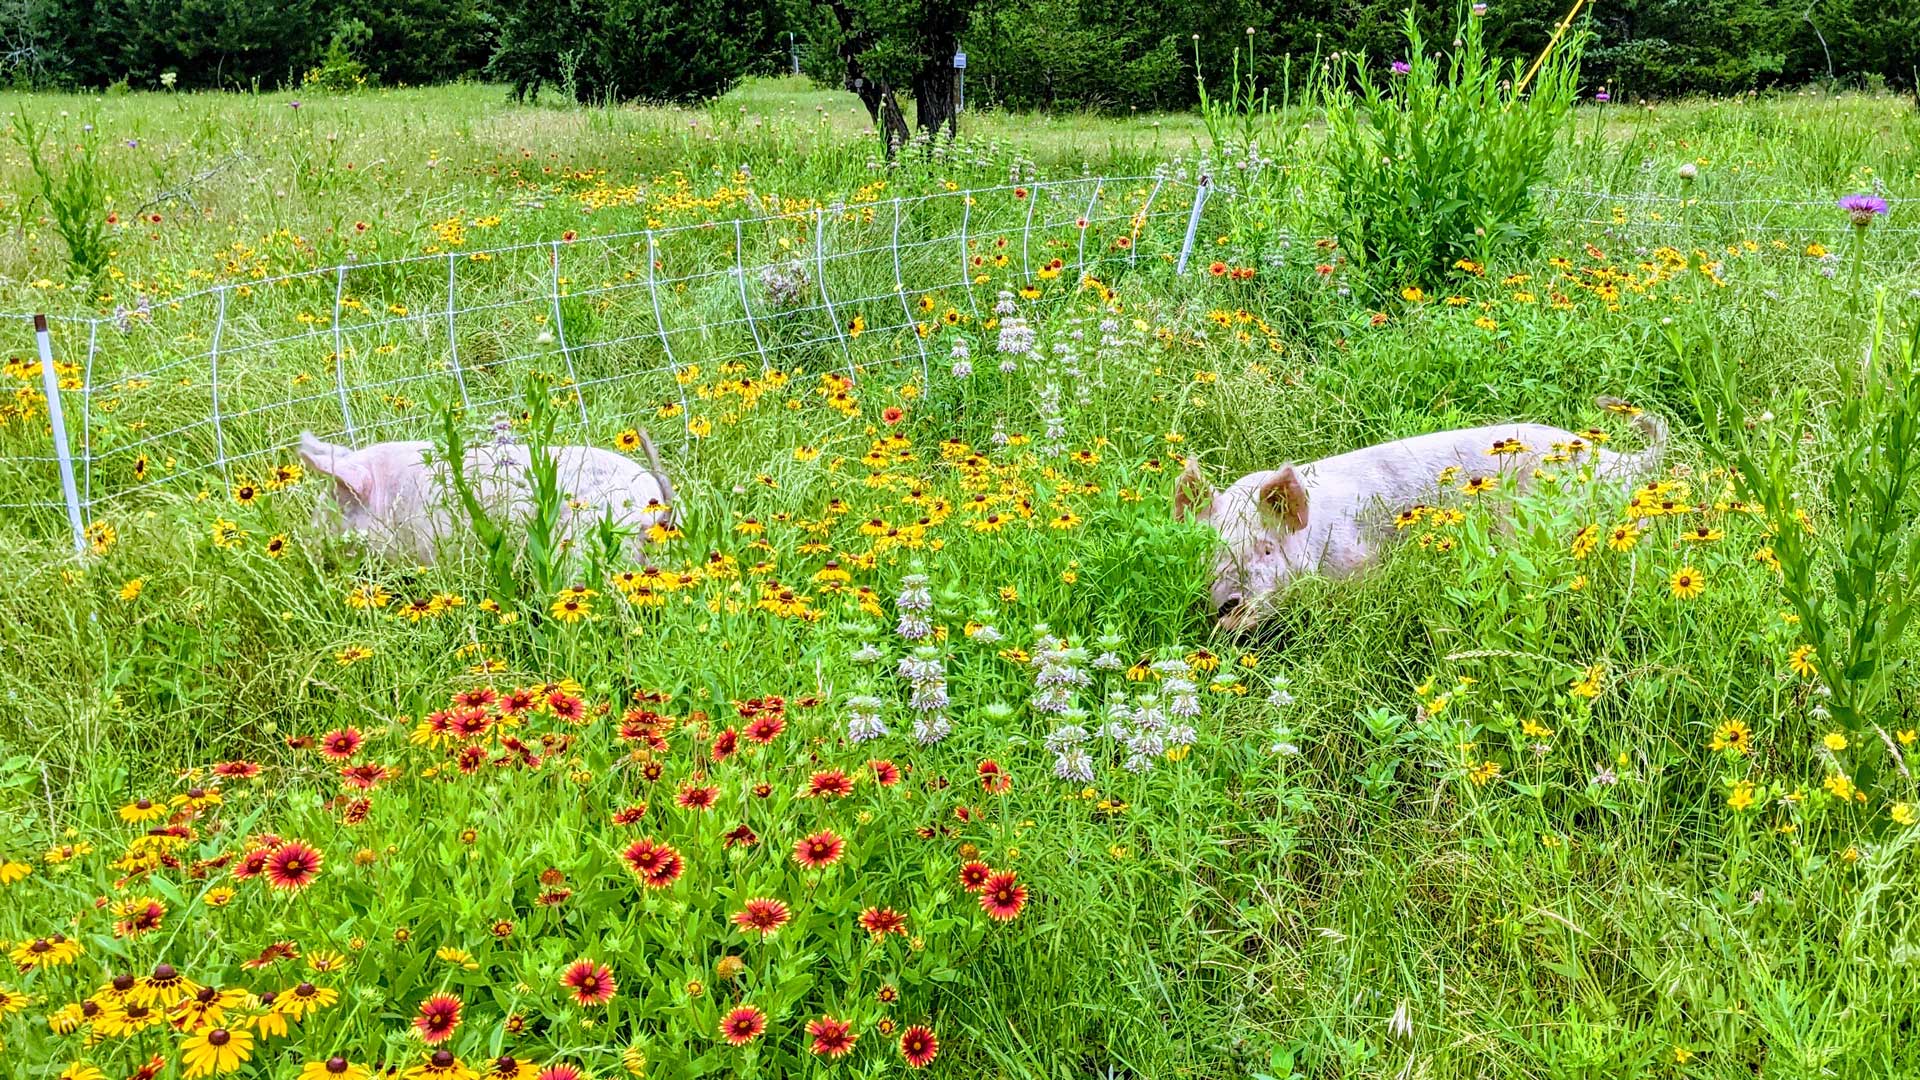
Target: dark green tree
<point>623,50</point>
<point>879,49</point>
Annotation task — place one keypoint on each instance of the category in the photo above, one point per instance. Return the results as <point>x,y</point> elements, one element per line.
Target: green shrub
<point>75,195</point>
<point>620,50</point>
<point>340,71</point>
<point>1437,163</point>
<point>1851,585</point>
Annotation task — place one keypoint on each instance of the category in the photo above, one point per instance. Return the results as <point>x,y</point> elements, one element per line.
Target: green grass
<point>1479,788</point>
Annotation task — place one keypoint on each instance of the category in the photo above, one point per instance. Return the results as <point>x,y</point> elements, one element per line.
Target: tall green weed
<point>75,193</point>
<point>1851,583</point>
<point>1435,159</point>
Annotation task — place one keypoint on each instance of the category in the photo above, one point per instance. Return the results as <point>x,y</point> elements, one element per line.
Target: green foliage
<point>1439,164</point>
<point>547,562</point>
<point>238,44</point>
<point>1026,54</point>
<point>1070,54</point>
<point>1415,780</point>
<point>1851,584</point>
<point>496,538</point>
<point>339,71</point>
<point>626,50</point>
<point>1258,143</point>
<point>74,193</point>
<point>1713,46</point>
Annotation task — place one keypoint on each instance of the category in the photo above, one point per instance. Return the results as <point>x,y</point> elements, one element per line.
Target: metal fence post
<point>1193,223</point>
<point>900,287</point>
<point>560,335</point>
<point>57,421</point>
<point>339,356</point>
<point>820,272</point>
<point>666,349</point>
<point>453,338</point>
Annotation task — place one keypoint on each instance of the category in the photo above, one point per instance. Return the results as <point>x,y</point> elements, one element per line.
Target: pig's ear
<point>351,477</point>
<point>1192,495</point>
<point>1283,499</point>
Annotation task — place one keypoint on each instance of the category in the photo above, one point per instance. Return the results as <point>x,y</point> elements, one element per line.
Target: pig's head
<point>362,490</point>
<point>1261,519</point>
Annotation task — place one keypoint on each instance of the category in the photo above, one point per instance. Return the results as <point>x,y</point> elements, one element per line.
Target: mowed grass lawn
<point>912,745</point>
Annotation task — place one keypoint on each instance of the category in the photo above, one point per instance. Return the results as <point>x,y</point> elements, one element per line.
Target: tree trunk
<point>883,107</point>
<point>934,83</point>
<point>933,91</point>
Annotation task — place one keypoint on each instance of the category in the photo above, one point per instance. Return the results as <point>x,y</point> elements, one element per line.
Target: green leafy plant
<point>1435,163</point>
<point>75,193</point>
<point>1852,583</point>
<point>340,70</point>
<point>1259,143</point>
<point>494,538</point>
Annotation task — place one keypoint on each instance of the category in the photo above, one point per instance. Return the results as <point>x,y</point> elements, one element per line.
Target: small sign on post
<point>57,423</point>
<point>959,83</point>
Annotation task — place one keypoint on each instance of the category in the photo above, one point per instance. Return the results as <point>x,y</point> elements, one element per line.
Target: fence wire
<point>217,385</point>
<point>220,382</point>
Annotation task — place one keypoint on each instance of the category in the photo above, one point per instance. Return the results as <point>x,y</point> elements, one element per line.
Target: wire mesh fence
<point>1672,218</point>
<point>216,386</point>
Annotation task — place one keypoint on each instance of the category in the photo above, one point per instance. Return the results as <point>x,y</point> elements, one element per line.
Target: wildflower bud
<point>1688,170</point>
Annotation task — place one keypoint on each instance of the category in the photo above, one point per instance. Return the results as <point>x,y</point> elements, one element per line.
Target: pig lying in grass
<point>406,506</point>
<point>1332,516</point>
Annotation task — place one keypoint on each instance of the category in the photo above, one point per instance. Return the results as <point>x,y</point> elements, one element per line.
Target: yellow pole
<point>1551,42</point>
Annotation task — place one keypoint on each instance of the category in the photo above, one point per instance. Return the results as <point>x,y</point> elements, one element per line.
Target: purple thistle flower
<point>294,105</point>
<point>1479,9</point>
<point>1602,96</point>
<point>1401,67</point>
<point>1863,208</point>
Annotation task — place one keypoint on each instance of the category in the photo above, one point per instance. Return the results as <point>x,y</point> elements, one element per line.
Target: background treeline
<point>1096,54</point>
<point>1060,54</point>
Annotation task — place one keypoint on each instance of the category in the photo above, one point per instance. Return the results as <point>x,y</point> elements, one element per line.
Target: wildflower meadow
<point>907,743</point>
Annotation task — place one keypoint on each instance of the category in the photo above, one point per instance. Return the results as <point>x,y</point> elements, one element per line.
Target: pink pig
<point>1331,516</point>
<point>404,502</point>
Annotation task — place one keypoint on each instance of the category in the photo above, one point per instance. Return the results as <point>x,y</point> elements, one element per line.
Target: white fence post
<point>746,305</point>
<point>660,324</point>
<point>1086,224</point>
<point>900,287</point>
<point>1140,223</point>
<point>820,273</point>
<point>213,376</point>
<point>339,357</point>
<point>1026,232</point>
<point>86,416</point>
<point>560,335</point>
<point>57,421</point>
<point>453,339</point>
<point>966,272</point>
<point>1193,223</point>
